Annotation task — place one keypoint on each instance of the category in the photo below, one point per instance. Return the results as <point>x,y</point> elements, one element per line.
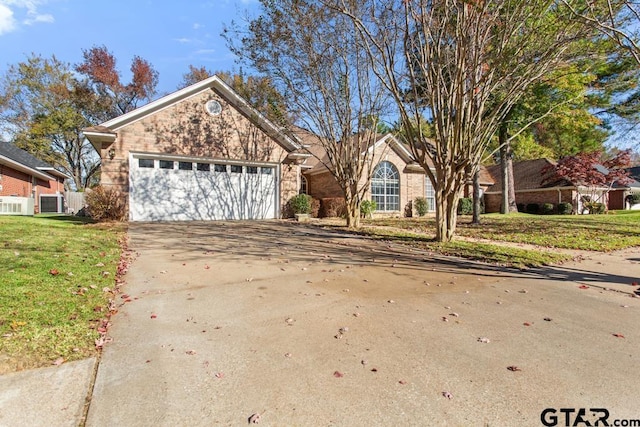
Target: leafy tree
<point>594,171</point>
<point>44,108</point>
<point>312,54</point>
<point>99,66</point>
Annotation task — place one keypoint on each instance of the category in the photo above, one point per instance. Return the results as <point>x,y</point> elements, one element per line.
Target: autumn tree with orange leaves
<point>99,67</point>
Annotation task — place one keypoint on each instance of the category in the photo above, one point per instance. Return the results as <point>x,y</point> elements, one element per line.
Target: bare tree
<point>311,53</point>
<point>462,65</point>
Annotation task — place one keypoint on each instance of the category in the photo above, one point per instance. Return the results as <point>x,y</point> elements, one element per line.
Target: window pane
<point>220,168</point>
<point>204,167</point>
<point>145,163</point>
<point>166,164</point>
<point>385,187</point>
<point>185,166</point>
<point>266,171</point>
<point>252,169</point>
<point>236,169</point>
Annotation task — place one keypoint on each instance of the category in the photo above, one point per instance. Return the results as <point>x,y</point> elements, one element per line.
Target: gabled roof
<point>20,160</point>
<point>106,132</point>
<point>528,175</point>
<point>316,164</point>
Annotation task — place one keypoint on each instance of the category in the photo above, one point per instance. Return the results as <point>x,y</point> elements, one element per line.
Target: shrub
<point>421,205</point>
<point>565,208</point>
<point>595,208</point>
<point>547,208</point>
<point>633,199</point>
<point>105,204</point>
<point>533,208</point>
<point>332,207</point>
<point>300,204</point>
<point>315,207</point>
<point>465,206</point>
<point>367,208</point>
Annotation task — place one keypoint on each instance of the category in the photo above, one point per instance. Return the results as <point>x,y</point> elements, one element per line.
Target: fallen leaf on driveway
<point>548,319</point>
<point>219,374</point>
<point>338,374</point>
<point>635,284</point>
<point>527,324</point>
<point>153,315</point>
<point>403,382</point>
<point>447,394</point>
<point>618,335</point>
<point>191,352</point>
<point>59,361</point>
<point>583,287</point>
<point>254,419</point>
<point>513,368</point>
<point>484,340</point>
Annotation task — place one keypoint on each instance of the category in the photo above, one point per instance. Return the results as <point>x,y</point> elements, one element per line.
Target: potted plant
<point>301,207</point>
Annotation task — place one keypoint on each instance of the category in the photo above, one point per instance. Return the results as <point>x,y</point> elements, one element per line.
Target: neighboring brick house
<point>201,153</point>
<point>619,196</point>
<point>534,184</point>
<point>23,175</point>
<point>396,178</point>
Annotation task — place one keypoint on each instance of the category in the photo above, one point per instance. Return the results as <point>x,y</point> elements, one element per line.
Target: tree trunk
<point>447,196</point>
<point>352,207</point>
<point>506,168</point>
<point>476,198</point>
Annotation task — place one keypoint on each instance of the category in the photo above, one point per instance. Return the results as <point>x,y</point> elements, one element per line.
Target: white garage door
<point>186,190</point>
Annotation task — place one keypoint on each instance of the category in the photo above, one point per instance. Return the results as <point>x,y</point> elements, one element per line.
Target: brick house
<point>200,153</point>
<point>396,178</point>
<point>619,196</point>
<point>24,176</point>
<point>534,185</point>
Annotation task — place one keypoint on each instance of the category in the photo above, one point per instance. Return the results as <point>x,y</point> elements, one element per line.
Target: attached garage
<point>184,189</point>
<point>201,153</point>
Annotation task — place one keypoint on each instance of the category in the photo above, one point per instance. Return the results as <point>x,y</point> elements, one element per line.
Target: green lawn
<point>617,230</point>
<point>54,275</point>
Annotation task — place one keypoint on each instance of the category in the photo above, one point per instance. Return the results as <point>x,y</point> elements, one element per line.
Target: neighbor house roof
<point>528,175</point>
<point>21,160</point>
<point>106,132</point>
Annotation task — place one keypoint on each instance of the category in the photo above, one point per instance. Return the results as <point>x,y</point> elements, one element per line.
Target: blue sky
<point>171,35</point>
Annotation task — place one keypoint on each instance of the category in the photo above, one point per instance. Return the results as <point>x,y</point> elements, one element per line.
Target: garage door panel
<point>183,195</point>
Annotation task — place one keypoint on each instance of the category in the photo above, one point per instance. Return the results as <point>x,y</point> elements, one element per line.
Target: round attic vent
<point>213,107</point>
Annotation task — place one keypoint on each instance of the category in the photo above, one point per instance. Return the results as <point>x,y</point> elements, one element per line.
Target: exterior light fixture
<point>111,153</point>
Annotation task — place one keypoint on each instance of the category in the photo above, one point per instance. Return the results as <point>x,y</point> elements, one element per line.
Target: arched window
<point>304,186</point>
<point>385,187</point>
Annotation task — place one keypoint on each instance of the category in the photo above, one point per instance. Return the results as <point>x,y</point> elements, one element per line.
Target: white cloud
<point>9,9</point>
<point>48,18</point>
<point>7,21</point>
<point>184,40</point>
<point>204,51</point>
<point>197,26</point>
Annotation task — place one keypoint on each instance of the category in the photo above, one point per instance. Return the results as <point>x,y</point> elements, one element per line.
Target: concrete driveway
<point>307,326</point>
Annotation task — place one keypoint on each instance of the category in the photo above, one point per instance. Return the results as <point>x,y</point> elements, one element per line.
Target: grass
<point>54,271</point>
<point>479,251</point>
<point>490,241</point>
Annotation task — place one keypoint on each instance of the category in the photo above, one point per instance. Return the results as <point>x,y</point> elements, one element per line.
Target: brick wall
<point>14,183</point>
<point>186,128</point>
<point>412,185</point>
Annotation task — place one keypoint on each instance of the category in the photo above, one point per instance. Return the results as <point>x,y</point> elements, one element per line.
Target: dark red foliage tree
<point>99,66</point>
<point>593,172</point>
